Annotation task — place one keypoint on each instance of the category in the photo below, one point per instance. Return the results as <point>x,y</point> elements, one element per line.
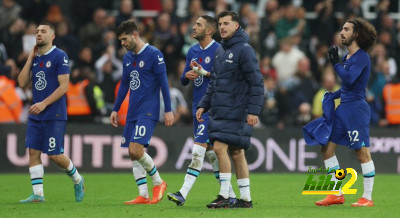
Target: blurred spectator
<point>303,115</point>
<point>85,58</point>
<point>381,9</point>
<point>378,56</point>
<point>244,13</point>
<point>35,10</point>
<point>391,97</point>
<point>28,42</point>
<point>54,15</point>
<point>84,100</point>
<point>253,29</point>
<point>291,23</point>
<point>270,113</point>
<point>268,40</point>
<point>168,6</point>
<point>10,104</point>
<point>12,39</point>
<point>108,73</point>
<point>108,67</point>
<point>9,11</point>
<point>66,41</point>
<point>286,59</point>
<point>166,38</point>
<point>353,9</point>
<point>329,84</point>
<point>267,69</point>
<point>178,105</point>
<point>91,34</point>
<point>319,61</point>
<point>125,11</point>
<point>325,25</point>
<point>195,10</point>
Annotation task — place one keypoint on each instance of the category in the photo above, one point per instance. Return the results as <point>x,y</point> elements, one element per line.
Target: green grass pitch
<point>273,195</point>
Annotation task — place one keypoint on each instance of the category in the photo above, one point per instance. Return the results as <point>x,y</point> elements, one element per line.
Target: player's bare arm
<point>63,80</point>
<point>169,118</point>
<point>114,119</point>
<point>199,112</point>
<point>24,78</point>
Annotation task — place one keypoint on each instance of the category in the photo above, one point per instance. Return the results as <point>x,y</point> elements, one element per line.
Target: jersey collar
<point>48,52</point>
<point>209,44</point>
<point>144,47</point>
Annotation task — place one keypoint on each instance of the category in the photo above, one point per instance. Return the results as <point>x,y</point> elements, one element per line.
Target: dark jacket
<point>235,90</point>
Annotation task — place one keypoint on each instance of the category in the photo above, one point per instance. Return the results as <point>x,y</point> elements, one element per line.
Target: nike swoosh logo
<point>127,64</point>
<point>51,149</point>
<point>193,59</point>
<point>160,59</point>
<point>34,64</point>
<point>65,60</point>
<point>136,137</point>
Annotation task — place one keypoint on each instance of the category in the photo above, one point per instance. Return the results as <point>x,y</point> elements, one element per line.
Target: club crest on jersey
<point>230,55</point>
<point>207,60</point>
<point>48,64</point>
<point>123,140</point>
<point>198,81</point>
<point>135,82</point>
<point>141,64</point>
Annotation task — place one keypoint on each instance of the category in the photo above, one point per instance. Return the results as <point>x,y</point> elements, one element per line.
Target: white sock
<point>244,188</point>
<point>225,179</point>
<point>333,164</point>
<point>212,158</point>
<point>73,173</point>
<point>148,165</point>
<point>194,169</point>
<point>36,173</point>
<point>140,176</point>
<point>368,170</point>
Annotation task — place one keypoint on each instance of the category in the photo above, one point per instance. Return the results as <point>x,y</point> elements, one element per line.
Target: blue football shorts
<point>46,136</point>
<point>351,125</point>
<point>139,131</point>
<point>200,129</point>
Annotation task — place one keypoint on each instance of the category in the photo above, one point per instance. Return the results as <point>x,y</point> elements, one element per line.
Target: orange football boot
<point>330,200</point>
<point>138,200</point>
<point>363,202</point>
<point>158,192</point>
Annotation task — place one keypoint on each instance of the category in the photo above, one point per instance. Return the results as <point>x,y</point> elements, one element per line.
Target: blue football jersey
<point>144,74</point>
<point>354,73</point>
<point>45,71</point>
<point>205,57</point>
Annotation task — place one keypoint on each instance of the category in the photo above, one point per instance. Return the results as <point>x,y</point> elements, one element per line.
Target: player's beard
<point>348,41</point>
<point>199,36</point>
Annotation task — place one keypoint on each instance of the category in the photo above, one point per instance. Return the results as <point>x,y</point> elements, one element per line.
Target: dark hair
<point>127,27</point>
<point>366,33</point>
<point>233,15</point>
<point>48,24</point>
<point>211,22</point>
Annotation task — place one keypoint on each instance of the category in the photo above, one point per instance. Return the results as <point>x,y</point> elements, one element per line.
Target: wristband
<point>201,71</point>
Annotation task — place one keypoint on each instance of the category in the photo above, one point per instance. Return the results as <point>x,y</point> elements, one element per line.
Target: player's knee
<point>134,154</point>
<point>54,158</point>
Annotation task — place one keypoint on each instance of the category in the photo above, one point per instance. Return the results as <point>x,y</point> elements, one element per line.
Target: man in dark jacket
<point>234,99</point>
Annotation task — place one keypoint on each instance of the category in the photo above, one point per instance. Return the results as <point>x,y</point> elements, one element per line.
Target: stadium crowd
<point>291,49</point>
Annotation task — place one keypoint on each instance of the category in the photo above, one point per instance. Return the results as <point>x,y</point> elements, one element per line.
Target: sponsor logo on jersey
<point>141,64</point>
<point>48,64</point>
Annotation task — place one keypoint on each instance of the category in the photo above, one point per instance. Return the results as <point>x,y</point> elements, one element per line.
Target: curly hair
<point>366,33</point>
